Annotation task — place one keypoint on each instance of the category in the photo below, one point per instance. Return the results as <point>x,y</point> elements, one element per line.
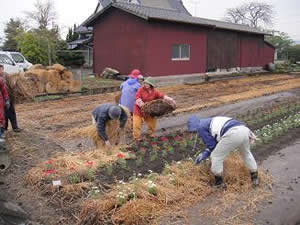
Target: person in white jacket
<point>222,135</point>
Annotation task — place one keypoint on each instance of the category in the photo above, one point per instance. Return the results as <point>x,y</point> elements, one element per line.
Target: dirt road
<point>284,208</point>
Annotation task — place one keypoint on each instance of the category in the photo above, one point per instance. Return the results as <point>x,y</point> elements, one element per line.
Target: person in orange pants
<point>145,94</point>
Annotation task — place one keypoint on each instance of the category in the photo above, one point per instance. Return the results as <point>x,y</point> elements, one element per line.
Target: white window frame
<point>180,49</point>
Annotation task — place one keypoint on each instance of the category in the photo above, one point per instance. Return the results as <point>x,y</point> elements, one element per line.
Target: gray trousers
<point>236,138</point>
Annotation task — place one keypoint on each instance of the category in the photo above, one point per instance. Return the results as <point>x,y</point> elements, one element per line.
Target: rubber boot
<point>254,178</point>
<point>219,182</point>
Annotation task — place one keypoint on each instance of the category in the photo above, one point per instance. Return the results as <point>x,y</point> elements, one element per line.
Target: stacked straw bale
<point>41,80</point>
<point>157,108</point>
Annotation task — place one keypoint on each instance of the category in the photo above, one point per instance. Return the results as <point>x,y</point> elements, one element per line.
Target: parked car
<point>19,59</point>
<point>9,65</point>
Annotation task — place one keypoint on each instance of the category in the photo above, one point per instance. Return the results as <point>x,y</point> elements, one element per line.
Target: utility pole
<point>49,53</point>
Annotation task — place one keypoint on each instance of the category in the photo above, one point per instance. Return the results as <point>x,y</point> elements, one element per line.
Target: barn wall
<point>268,54</point>
<point>251,50</point>
<point>124,42</point>
<point>160,38</point>
<point>222,49</point>
<point>119,42</point>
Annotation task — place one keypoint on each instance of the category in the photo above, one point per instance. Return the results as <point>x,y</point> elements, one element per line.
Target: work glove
<point>108,144</point>
<point>139,102</point>
<point>7,103</point>
<point>202,156</point>
<point>171,100</point>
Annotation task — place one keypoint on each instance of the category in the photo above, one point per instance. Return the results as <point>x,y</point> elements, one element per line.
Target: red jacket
<point>3,98</point>
<point>146,96</point>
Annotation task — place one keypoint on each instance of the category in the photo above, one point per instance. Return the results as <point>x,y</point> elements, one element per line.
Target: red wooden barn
<point>160,37</point>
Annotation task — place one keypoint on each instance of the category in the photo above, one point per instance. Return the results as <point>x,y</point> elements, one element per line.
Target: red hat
<point>135,73</point>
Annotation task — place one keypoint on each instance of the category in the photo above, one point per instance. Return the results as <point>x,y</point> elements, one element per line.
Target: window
<point>4,59</point>
<point>181,52</point>
<point>17,58</point>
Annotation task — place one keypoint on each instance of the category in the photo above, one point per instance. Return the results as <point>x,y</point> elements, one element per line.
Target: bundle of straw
<point>157,108</point>
<point>113,131</point>
<point>57,67</point>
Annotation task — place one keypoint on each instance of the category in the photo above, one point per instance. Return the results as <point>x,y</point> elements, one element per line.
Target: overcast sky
<point>287,18</point>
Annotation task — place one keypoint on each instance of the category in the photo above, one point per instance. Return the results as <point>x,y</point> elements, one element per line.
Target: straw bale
<point>74,86</point>
<point>41,87</point>
<point>42,75</point>
<point>54,76</point>
<point>26,86</point>
<point>51,87</point>
<point>12,80</point>
<point>67,75</point>
<point>57,67</point>
<point>36,66</point>
<point>157,108</point>
<point>32,73</point>
<point>62,86</point>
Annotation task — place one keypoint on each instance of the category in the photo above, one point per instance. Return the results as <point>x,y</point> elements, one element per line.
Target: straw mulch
<point>113,131</point>
<point>176,190</point>
<point>41,80</point>
<point>157,108</point>
<point>63,165</point>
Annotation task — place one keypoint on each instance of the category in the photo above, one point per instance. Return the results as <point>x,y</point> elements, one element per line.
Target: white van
<point>9,65</point>
<point>19,59</point>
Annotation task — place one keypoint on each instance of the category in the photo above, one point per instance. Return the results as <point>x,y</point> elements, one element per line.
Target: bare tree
<point>44,14</point>
<point>254,14</point>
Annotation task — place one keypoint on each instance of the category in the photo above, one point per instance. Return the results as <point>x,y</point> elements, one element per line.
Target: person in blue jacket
<point>222,135</point>
<point>105,112</point>
<point>129,89</point>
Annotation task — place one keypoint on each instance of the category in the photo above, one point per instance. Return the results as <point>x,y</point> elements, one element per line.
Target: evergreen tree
<point>13,28</point>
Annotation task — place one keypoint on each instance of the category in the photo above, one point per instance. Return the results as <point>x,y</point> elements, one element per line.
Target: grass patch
<point>47,98</point>
<point>94,83</point>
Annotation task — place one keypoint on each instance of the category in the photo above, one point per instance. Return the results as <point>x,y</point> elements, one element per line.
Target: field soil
<point>47,126</point>
<point>282,163</point>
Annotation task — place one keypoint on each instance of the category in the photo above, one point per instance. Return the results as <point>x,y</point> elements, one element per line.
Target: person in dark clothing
<point>10,113</point>
<point>105,112</point>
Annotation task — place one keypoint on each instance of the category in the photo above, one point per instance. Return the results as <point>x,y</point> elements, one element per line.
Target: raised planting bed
<point>150,155</point>
<point>156,177</point>
<point>153,153</point>
<point>149,192</point>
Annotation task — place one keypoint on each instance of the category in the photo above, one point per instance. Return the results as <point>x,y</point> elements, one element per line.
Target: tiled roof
<point>162,4</point>
<point>150,13</point>
<point>83,30</point>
